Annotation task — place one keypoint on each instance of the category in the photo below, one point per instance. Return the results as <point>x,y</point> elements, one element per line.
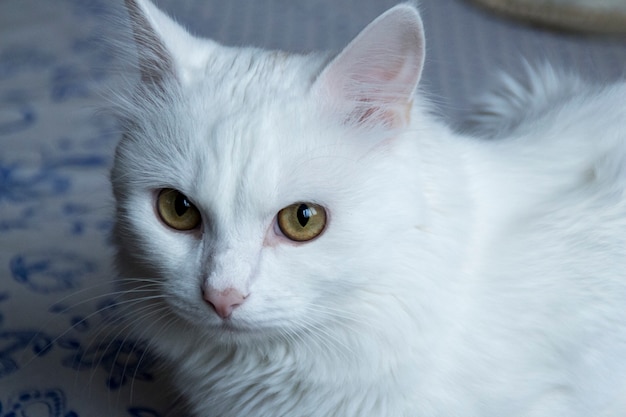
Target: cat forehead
<point>221,145</point>
<point>223,99</point>
<point>274,152</point>
<point>248,76</point>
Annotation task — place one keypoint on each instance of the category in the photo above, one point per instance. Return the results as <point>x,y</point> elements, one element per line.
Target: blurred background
<point>62,353</point>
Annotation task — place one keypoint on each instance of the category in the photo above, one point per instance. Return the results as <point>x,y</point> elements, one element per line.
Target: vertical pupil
<point>304,214</point>
<point>181,204</point>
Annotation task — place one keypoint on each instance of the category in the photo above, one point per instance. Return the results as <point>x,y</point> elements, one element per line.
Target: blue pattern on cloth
<point>63,351</point>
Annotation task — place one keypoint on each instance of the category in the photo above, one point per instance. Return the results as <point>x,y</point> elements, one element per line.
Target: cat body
<point>452,276</point>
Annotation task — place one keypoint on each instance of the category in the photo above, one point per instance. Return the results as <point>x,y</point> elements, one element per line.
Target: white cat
<point>300,237</point>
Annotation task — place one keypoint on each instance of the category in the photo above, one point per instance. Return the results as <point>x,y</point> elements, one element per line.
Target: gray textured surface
<point>465,43</point>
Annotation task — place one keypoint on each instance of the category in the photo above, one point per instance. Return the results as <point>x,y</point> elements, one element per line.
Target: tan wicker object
<point>602,16</point>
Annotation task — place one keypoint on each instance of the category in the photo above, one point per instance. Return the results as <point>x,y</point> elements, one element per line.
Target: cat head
<point>264,193</point>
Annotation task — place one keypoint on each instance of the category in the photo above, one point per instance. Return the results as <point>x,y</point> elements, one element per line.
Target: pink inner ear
<point>374,77</point>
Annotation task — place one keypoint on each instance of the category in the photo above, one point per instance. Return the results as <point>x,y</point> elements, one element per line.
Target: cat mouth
<point>230,332</point>
<point>229,327</point>
<point>238,327</point>
<point>232,327</point>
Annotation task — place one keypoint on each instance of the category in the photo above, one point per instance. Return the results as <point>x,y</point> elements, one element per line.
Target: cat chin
<point>232,336</point>
<point>233,329</point>
<point>228,335</point>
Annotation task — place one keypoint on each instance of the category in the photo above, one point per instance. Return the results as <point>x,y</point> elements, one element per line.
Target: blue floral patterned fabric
<point>63,353</point>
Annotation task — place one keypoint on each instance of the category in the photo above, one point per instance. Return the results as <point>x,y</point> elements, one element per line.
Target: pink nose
<point>223,302</point>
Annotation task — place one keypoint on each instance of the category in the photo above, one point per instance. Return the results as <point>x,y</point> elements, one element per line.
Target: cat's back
<point>550,195</point>
<point>549,246</point>
<point>558,141</point>
<point>566,164</point>
<point>578,145</point>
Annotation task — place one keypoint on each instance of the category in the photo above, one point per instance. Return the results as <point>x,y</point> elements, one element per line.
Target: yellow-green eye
<point>177,211</point>
<point>302,221</point>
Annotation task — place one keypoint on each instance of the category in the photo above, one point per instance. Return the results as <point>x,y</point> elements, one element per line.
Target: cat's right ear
<point>373,79</point>
<point>157,38</point>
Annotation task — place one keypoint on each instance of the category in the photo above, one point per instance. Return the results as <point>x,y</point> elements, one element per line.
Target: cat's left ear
<point>373,79</point>
<point>159,41</point>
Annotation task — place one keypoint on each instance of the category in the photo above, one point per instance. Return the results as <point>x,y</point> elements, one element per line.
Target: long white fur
<point>455,277</point>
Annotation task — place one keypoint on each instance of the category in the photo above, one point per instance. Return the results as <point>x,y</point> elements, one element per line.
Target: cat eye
<point>177,211</point>
<point>302,221</point>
